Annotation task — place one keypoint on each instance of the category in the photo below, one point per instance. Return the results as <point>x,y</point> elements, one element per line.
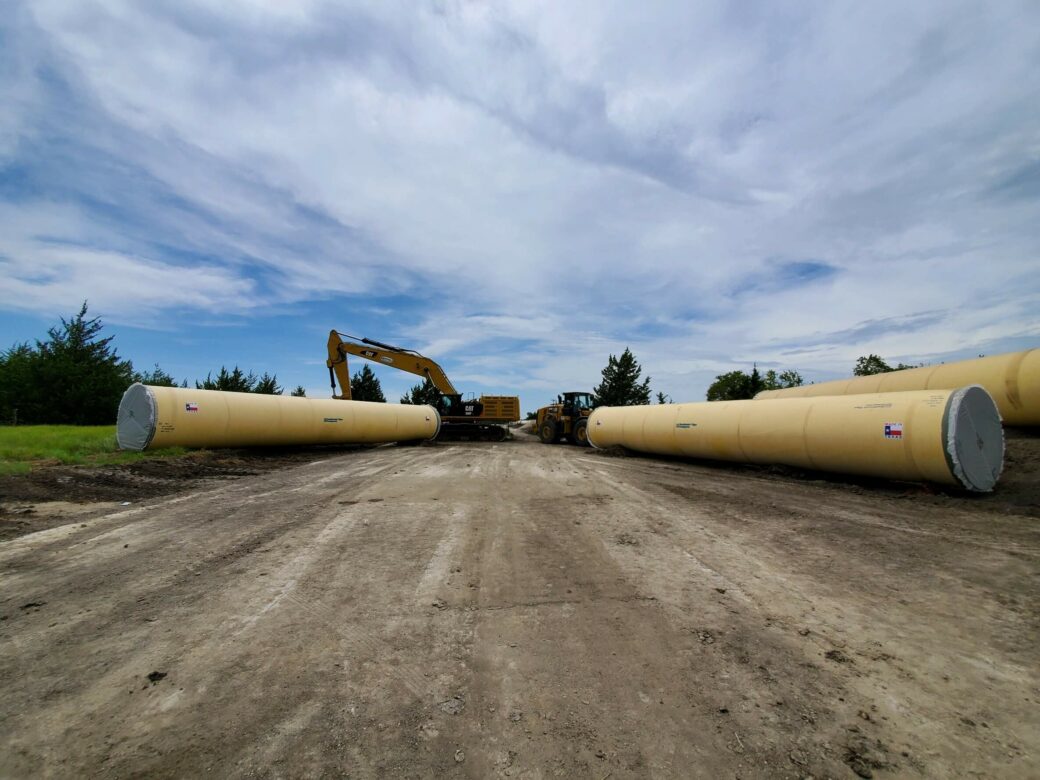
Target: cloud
<point>60,276</point>
<point>522,189</point>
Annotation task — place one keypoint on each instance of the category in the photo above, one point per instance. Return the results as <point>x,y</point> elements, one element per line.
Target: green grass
<point>27,446</point>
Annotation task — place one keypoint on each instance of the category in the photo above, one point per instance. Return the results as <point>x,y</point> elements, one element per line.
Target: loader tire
<point>548,432</point>
<point>580,433</point>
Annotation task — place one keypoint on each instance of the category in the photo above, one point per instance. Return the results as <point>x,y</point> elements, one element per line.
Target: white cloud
<point>40,271</point>
<point>576,178</point>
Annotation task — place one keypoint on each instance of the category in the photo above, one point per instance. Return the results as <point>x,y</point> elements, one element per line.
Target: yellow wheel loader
<point>568,418</point>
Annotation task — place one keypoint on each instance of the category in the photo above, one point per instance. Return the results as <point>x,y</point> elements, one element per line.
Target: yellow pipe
<point>952,437</point>
<point>153,417</point>
<point>1012,379</point>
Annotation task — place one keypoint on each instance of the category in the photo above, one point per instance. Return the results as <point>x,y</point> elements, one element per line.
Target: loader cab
<point>577,404</point>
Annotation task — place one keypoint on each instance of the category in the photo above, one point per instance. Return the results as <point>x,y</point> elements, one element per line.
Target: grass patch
<point>26,446</point>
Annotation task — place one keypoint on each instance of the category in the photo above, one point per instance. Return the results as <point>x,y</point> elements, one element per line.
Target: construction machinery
<point>468,418</point>
<point>567,418</point>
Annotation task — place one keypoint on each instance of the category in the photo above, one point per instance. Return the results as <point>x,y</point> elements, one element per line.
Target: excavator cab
<point>567,418</point>
<point>456,406</point>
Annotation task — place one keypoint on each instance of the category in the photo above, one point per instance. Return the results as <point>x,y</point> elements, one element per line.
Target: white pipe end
<point>135,422</point>
<point>973,438</point>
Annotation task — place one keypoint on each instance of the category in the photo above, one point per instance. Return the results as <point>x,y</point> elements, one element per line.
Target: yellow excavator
<point>471,418</point>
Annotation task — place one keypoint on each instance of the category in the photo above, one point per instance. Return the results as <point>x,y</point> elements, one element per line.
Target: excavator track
<point>471,431</point>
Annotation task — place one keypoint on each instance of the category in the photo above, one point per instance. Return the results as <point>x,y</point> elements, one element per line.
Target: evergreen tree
<point>754,381</point>
<point>621,385</point>
<point>18,401</point>
<point>364,386</point>
<point>74,377</point>
<point>77,377</point>
<point>156,377</point>
<point>663,399</point>
<point>234,381</point>
<point>267,385</point>
<point>422,393</point>
<point>299,392</point>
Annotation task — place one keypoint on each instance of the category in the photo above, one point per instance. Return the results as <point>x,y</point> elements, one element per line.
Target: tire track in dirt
<point>514,609</point>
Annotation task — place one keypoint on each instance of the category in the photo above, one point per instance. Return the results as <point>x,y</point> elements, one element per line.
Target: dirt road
<point>517,610</point>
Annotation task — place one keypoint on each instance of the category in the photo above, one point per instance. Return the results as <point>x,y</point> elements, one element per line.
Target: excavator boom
<point>481,418</point>
<point>396,357</point>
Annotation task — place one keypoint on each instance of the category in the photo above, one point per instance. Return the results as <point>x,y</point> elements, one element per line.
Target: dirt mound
<point>144,478</point>
<point>49,495</point>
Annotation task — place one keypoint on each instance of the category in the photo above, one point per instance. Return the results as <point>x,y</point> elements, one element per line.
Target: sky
<point>519,190</point>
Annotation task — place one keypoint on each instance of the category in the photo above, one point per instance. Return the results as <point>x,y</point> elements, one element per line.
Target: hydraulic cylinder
<point>951,437</point>
<point>152,417</point>
<point>1013,379</point>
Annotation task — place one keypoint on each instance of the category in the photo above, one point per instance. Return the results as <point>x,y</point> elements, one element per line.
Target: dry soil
<point>515,610</point>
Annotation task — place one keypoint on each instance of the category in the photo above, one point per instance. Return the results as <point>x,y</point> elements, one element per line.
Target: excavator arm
<point>395,357</point>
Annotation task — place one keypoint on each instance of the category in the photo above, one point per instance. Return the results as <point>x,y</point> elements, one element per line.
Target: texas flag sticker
<point>893,430</point>
<point>195,408</point>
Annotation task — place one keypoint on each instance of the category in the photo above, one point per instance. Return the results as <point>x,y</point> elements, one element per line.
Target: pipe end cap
<point>974,438</point>
<point>135,421</point>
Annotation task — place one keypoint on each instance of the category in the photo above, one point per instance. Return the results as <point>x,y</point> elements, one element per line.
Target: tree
<point>621,385</point>
<point>754,381</point>
<point>77,376</point>
<point>267,385</point>
<point>663,399</point>
<point>234,381</point>
<point>238,381</point>
<point>422,393</point>
<point>156,377</point>
<point>873,364</point>
<point>740,385</point>
<point>299,392</point>
<point>870,365</point>
<point>18,402</point>
<point>731,386</point>
<point>364,386</point>
<point>774,381</point>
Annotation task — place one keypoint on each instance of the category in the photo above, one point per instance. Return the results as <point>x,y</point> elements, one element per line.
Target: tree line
<point>76,377</point>
<point>740,385</point>
<point>622,383</point>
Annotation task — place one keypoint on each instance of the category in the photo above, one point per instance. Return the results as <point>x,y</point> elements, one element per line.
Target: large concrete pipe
<point>952,437</point>
<point>153,417</point>
<point>1012,379</point>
